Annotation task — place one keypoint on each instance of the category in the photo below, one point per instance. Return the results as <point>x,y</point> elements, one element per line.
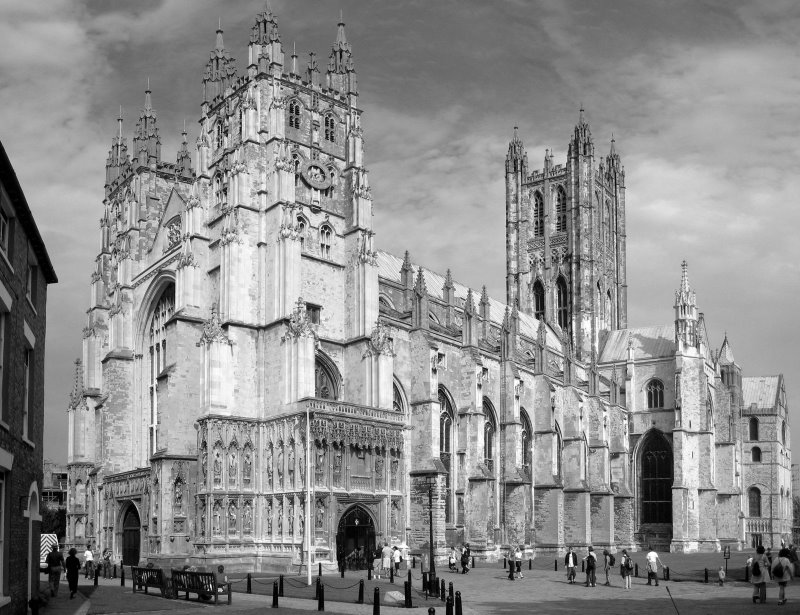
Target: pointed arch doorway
<point>356,533</point>
<point>131,537</point>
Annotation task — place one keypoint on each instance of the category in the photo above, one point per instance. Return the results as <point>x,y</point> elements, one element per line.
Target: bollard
<point>376,602</point>
<point>450,589</point>
<point>407,594</point>
<point>319,573</point>
<point>409,577</point>
<point>280,588</point>
<point>431,611</point>
<point>582,566</point>
<point>414,561</point>
<point>706,575</point>
<point>459,608</point>
<point>443,591</point>
<point>321,602</point>
<point>530,564</point>
<point>369,573</point>
<point>391,572</point>
<point>747,574</point>
<point>275,595</point>
<point>448,609</point>
<point>555,565</point>
<point>96,576</point>
<point>425,581</point>
<point>361,591</point>
<point>316,589</point>
<point>473,561</point>
<point>342,569</point>
<point>115,571</point>
<point>636,570</point>
<point>504,562</point>
<point>249,584</point>
<point>122,576</point>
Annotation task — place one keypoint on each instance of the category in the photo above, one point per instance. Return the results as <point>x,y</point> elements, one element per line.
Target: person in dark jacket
<point>73,570</point>
<point>571,564</point>
<point>55,566</point>
<point>591,565</point>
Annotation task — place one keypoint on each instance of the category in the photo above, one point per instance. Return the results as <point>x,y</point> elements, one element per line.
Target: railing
<point>362,483</point>
<point>368,412</point>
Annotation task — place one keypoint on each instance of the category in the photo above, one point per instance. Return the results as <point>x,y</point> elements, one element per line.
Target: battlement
<point>541,174</point>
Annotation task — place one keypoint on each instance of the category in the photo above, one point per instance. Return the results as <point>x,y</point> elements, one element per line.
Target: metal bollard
<point>450,589</point>
<point>249,584</point>
<point>122,576</point>
<point>636,570</point>
<point>583,565</point>
<point>407,594</point>
<point>505,563</point>
<point>555,565</point>
<point>369,573</point>
<point>414,561</point>
<point>425,582</point>
<point>448,608</point>
<point>706,575</point>
<point>361,591</point>
<point>115,571</point>
<point>316,589</point>
<point>321,601</point>
<point>747,574</point>
<point>280,587</point>
<point>409,577</point>
<point>319,573</point>
<point>275,595</point>
<point>459,608</point>
<point>342,569</point>
<point>96,576</point>
<point>431,611</point>
<point>391,572</point>
<point>443,591</point>
<point>530,564</point>
<point>473,561</point>
<point>376,602</point>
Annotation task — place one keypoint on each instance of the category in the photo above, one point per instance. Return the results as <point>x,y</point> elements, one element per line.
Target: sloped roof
<point>389,267</point>
<point>725,356</point>
<point>760,390</point>
<point>648,343</point>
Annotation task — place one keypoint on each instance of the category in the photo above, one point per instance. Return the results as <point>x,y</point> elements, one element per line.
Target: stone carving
<point>394,514</point>
<point>337,465</point>
<point>268,515</point>
<point>217,466</point>
<point>280,516</point>
<point>320,516</point>
<point>301,460</point>
<point>202,515</point>
<point>290,517</point>
<point>232,518</point>
<point>247,518</point>
<point>247,467</point>
<point>213,331</point>
<point>393,469</point>
<point>378,466</point>
<point>299,325</point>
<point>268,463</point>
<point>280,464</point>
<point>177,503</point>
<point>291,463</point>
<point>363,435</point>
<point>217,527</point>
<point>203,464</point>
<point>233,466</point>
<point>301,520</point>
<point>379,341</point>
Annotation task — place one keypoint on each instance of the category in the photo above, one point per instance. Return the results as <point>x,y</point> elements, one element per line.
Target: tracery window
<point>219,191</point>
<point>561,210</point>
<point>163,311</point>
<point>562,304</point>
<point>302,225</point>
<point>753,428</point>
<point>527,435</point>
<point>489,431</point>
<point>446,420</point>
<point>325,240</point>
<point>538,215</point>
<point>655,394</point>
<point>607,224</point>
<point>398,405</point>
<point>294,114</point>
<point>756,454</point>
<point>656,480</point>
<point>330,128</point>
<point>754,501</point>
<point>538,300</point>
<point>324,383</point>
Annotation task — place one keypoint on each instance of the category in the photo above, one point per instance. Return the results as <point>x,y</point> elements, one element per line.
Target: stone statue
<point>231,518</point>
<point>268,514</point>
<point>177,504</point>
<point>202,520</point>
<point>247,467</point>
<point>301,520</point>
<point>394,515</point>
<point>217,519</point>
<point>301,461</point>
<point>290,518</point>
<point>233,466</point>
<point>378,466</point>
<point>291,463</point>
<point>247,519</point>
<point>337,460</point>
<point>280,516</point>
<point>280,464</point>
<point>217,467</point>
<point>268,463</point>
<point>204,464</point>
<point>320,514</point>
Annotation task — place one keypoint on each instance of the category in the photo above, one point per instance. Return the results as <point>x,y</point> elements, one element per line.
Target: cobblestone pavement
<point>485,590</point>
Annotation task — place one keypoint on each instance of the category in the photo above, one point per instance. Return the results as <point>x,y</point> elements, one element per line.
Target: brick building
<point>258,379</point>
<point>25,272</point>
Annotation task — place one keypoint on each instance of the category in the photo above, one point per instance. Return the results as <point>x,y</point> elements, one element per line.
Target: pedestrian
<point>626,568</point>
<point>769,559</point>
<point>55,566</point>
<point>376,562</point>
<point>512,563</point>
<point>571,563</point>
<point>758,575</point>
<point>606,564</point>
<point>73,566</point>
<point>518,558</point>
<point>591,564</point>
<point>465,554</point>
<point>721,576</point>
<point>452,560</point>
<point>782,572</point>
<point>386,559</point>
<point>653,563</point>
<point>396,557</point>
<point>88,559</point>
<point>793,554</point>
<point>106,563</point>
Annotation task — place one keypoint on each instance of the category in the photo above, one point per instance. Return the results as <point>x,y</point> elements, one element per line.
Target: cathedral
<point>260,383</point>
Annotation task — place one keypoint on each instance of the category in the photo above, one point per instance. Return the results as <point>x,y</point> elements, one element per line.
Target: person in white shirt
<point>396,559</point>
<point>88,558</point>
<point>652,566</point>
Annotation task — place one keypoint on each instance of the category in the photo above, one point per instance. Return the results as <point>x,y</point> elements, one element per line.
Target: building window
<point>163,311</point>
<point>302,225</point>
<point>27,399</point>
<point>756,452</point>
<point>446,420</point>
<point>219,192</point>
<point>313,313</point>
<point>557,443</point>
<point>398,405</point>
<point>324,383</point>
<point>325,240</point>
<point>5,231</point>
<point>527,434</point>
<point>607,224</point>
<point>538,215</point>
<point>294,114</point>
<point>3,400</point>
<point>562,304</point>
<point>783,433</point>
<point>489,431</point>
<point>31,284</point>
<point>753,428</point>
<point>754,501</point>
<point>538,300</point>
<point>330,128</point>
<point>655,394</point>
<point>561,210</point>
<point>656,480</point>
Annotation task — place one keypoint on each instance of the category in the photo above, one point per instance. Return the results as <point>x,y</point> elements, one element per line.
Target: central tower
<point>565,240</point>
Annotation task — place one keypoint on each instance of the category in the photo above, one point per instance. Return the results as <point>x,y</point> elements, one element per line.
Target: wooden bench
<point>147,577</point>
<point>204,584</point>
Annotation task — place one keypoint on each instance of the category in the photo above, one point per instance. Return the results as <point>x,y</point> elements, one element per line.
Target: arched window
<point>656,480</point>
<point>330,128</point>
<point>446,421</point>
<point>538,300</point>
<point>609,311</point>
<point>302,225</point>
<point>219,191</point>
<point>489,431</point>
<point>538,215</point>
<point>294,114</point>
<point>296,165</point>
<point>607,223</point>
<point>398,405</point>
<point>756,453</point>
<point>753,428</point>
<point>325,240</point>
<point>324,380</point>
<point>162,312</point>
<point>562,303</point>
<point>561,210</point>
<point>557,444</point>
<point>527,439</point>
<point>655,394</point>
<point>783,432</point>
<point>754,501</point>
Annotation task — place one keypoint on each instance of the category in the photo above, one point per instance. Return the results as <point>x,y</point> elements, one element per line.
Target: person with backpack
<point>571,564</point>
<point>652,566</point>
<point>608,562</point>
<point>782,572</point>
<point>512,564</point>
<point>55,566</point>
<point>759,565</point>
<point>591,565</point>
<point>626,568</point>
<point>465,554</point>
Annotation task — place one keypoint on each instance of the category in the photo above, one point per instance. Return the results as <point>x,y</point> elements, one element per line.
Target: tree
<point>54,521</point>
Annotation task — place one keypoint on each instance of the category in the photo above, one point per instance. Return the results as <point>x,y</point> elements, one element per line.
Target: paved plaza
<point>485,591</point>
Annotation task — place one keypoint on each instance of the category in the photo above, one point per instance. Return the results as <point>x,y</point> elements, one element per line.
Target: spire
<point>419,285</point>
<point>312,69</point>
<point>612,160</point>
<point>516,158</point>
<point>220,46</point>
<point>184,157</point>
<point>686,316</point>
<point>469,303</point>
<point>725,356</point>
<point>582,144</point>
<point>220,70</point>
<point>294,59</point>
<point>146,140</point>
<point>118,154</point>
<point>341,70</point>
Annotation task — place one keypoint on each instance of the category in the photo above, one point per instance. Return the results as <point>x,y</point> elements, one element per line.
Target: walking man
<point>88,558</point>
<point>55,566</point>
<point>571,563</point>
<point>653,562</point>
<point>591,565</point>
<point>512,564</point>
<point>606,564</point>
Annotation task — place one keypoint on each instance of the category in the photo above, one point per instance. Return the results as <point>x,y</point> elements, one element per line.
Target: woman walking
<point>625,568</point>
<point>759,572</point>
<point>782,572</point>
<point>73,566</point>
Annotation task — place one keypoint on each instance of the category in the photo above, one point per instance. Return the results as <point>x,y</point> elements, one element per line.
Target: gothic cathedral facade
<point>259,381</point>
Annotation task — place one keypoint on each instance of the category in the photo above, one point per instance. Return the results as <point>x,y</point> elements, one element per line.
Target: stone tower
<point>565,239</point>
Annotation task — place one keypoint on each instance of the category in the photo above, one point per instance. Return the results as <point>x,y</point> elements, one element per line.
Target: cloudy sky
<point>702,98</point>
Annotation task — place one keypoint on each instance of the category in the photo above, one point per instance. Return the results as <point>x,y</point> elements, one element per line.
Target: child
<point>721,575</point>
